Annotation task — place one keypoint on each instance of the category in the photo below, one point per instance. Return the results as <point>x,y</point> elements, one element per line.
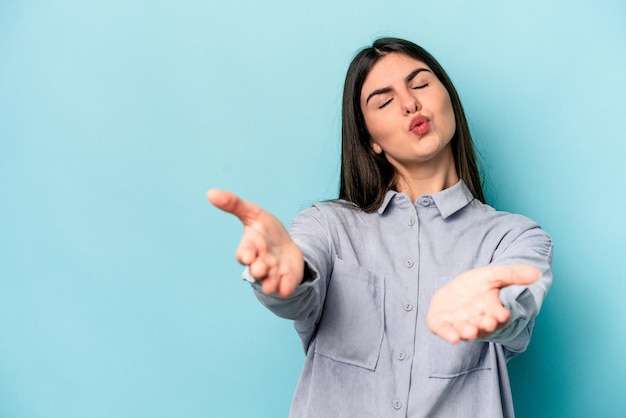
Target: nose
<point>410,104</point>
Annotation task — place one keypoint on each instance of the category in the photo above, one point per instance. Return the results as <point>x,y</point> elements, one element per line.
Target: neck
<point>427,178</point>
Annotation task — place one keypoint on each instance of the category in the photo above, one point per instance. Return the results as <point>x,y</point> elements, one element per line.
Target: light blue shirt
<point>361,311</point>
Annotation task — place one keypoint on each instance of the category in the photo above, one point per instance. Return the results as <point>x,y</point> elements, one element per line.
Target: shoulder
<point>514,230</point>
<point>488,214</point>
<point>332,217</point>
<point>331,211</point>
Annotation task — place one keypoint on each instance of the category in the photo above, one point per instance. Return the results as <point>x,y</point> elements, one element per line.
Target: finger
<point>520,274</point>
<point>231,203</point>
<point>448,333</point>
<point>248,250</point>
<point>498,312</point>
<point>487,324</point>
<point>286,286</point>
<point>484,319</point>
<point>271,278</point>
<point>467,331</point>
<point>477,318</point>
<point>245,254</point>
<point>219,198</point>
<point>270,284</point>
<point>259,269</point>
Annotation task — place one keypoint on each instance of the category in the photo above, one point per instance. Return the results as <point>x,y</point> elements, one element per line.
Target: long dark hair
<point>366,176</point>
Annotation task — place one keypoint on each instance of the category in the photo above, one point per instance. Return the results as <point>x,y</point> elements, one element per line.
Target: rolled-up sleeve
<point>309,232</point>
<point>532,246</point>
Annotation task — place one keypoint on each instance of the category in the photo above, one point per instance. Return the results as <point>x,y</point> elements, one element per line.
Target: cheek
<point>447,111</point>
<point>374,127</point>
<point>452,122</point>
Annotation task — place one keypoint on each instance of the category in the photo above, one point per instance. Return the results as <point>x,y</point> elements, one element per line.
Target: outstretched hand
<point>266,247</point>
<point>469,306</point>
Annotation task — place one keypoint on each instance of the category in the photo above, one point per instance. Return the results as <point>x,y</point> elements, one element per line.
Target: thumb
<point>520,274</point>
<point>231,203</point>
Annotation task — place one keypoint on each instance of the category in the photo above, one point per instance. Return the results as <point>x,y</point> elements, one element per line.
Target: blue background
<point>119,292</point>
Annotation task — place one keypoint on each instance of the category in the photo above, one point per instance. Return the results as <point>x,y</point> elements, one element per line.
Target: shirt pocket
<point>352,323</point>
<point>451,360</point>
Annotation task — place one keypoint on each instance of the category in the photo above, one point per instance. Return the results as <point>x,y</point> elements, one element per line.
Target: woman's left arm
<point>497,303</point>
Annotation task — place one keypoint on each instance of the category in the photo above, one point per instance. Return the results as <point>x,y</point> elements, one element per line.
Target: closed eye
<point>420,86</point>
<point>385,104</point>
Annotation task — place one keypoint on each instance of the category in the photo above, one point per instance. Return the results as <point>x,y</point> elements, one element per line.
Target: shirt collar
<point>448,201</point>
<point>390,194</point>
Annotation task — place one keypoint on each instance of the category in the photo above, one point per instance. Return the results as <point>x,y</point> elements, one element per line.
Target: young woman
<point>409,293</point>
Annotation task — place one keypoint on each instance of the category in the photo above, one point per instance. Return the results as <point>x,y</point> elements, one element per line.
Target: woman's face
<point>407,111</point>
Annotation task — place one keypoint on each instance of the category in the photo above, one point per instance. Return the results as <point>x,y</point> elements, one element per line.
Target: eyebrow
<point>408,79</point>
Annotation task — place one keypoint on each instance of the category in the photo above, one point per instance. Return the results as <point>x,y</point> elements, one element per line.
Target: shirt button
<point>397,404</point>
<point>411,221</point>
<point>401,355</point>
<point>408,307</point>
<point>409,263</point>
<point>425,202</point>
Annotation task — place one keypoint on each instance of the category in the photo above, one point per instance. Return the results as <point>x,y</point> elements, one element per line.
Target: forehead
<point>390,69</point>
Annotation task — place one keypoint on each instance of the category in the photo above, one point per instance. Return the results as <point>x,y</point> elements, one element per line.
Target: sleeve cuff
<point>309,277</point>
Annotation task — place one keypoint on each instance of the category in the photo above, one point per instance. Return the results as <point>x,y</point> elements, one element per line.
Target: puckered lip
<point>418,120</point>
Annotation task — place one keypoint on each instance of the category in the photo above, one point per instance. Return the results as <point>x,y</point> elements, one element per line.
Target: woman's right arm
<point>289,285</point>
<point>266,247</point>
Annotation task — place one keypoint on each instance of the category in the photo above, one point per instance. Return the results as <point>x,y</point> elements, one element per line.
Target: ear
<point>376,148</point>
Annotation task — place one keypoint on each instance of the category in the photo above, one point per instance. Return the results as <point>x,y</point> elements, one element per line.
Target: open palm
<point>469,306</point>
<point>266,247</point>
